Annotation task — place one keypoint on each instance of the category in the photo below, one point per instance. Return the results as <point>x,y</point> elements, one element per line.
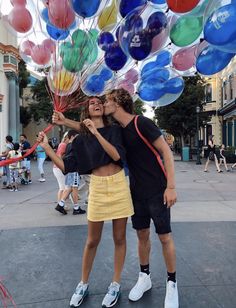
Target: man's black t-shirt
<point>146,176</point>
<point>26,146</point>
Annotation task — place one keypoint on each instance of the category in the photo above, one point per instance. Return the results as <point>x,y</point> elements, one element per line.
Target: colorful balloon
<point>108,18</point>
<point>20,19</point>
<point>184,58</point>
<point>182,6</point>
<point>60,14</point>
<point>40,55</point>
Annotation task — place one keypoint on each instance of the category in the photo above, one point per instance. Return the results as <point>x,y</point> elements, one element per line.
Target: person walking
<point>41,156</point>
<point>222,159</point>
<point>71,183</point>
<point>211,155</point>
<point>26,165</point>
<point>153,194</point>
<point>6,170</point>
<point>98,150</point>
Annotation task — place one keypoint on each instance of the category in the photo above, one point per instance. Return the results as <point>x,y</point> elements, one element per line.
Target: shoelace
<point>79,289</point>
<point>112,290</point>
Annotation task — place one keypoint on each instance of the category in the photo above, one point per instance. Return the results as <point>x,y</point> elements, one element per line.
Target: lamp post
<point>198,162</point>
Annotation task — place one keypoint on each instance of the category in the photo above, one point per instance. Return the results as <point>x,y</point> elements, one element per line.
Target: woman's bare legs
<point>119,237</point>
<point>90,249</point>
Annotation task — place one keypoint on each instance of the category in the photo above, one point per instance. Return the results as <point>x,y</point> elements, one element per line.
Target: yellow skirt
<point>109,197</point>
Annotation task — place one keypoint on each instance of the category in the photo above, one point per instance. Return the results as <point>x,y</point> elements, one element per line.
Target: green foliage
<point>23,76</point>
<point>139,107</point>
<point>25,115</point>
<point>179,118</point>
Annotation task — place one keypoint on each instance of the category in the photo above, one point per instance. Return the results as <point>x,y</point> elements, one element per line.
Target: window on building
<point>13,60</point>
<point>208,93</point>
<point>6,59</point>
<point>231,90</point>
<point>225,90</point>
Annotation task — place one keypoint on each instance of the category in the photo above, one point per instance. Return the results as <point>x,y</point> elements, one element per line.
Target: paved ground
<point>40,251</point>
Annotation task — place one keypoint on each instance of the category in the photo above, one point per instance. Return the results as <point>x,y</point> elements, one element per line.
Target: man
<point>8,148</point>
<point>152,194</point>
<point>25,146</point>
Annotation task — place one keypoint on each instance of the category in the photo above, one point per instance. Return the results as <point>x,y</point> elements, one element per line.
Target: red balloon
<point>49,44</point>
<point>18,2</point>
<point>182,6</point>
<point>184,58</point>
<point>40,55</point>
<point>20,19</point>
<point>26,47</point>
<point>60,14</point>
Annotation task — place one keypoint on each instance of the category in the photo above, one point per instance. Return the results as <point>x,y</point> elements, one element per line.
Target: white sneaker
<point>81,292</point>
<point>112,295</point>
<point>143,284</point>
<point>172,298</point>
<point>42,180</point>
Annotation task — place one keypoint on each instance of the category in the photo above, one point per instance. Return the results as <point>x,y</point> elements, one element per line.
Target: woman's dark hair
<point>23,135</point>
<point>123,99</point>
<point>71,133</point>
<point>9,138</point>
<point>85,115</point>
<point>16,147</point>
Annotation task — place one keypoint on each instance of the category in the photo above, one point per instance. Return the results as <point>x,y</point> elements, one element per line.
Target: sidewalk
<point>41,250</point>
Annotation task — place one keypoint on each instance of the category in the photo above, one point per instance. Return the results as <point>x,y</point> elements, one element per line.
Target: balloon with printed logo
<point>143,32</point>
<point>211,60</point>
<point>182,6</point>
<point>219,25</point>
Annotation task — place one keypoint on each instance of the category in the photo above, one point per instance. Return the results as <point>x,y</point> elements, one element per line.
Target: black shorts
<point>151,208</point>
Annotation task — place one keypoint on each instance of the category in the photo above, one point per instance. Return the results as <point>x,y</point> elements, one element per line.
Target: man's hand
<point>170,197</point>
<point>90,125</point>
<point>58,118</point>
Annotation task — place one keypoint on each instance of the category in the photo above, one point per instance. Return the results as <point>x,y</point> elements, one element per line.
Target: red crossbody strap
<point>149,145</point>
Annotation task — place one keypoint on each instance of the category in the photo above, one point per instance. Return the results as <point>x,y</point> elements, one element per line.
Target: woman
<point>98,150</point>
<point>211,155</point>
<point>57,171</point>
<point>41,156</point>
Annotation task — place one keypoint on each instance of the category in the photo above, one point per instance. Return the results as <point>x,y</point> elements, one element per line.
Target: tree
<point>139,107</point>
<point>25,115</point>
<point>23,76</point>
<point>179,118</point>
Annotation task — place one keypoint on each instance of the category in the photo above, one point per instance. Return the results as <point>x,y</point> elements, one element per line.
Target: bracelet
<point>170,187</point>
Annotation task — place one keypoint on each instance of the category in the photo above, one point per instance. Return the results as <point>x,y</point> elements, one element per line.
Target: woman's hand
<point>58,118</point>
<point>43,140</point>
<point>90,125</point>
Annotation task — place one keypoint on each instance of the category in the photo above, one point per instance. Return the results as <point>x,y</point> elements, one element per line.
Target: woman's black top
<point>86,152</point>
<point>211,149</point>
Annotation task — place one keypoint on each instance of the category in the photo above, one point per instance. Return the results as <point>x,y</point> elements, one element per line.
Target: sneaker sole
<point>113,304</point>
<point>136,299</point>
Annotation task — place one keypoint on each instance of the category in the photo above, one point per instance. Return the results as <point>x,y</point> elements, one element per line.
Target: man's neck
<point>124,118</point>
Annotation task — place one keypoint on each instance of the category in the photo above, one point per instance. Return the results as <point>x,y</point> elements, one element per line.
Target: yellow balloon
<point>63,81</point>
<point>108,16</point>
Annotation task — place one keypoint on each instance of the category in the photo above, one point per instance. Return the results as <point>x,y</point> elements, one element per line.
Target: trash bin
<point>185,153</point>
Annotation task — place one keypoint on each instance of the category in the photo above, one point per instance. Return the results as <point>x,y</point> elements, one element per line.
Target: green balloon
<point>93,55</point>
<point>70,59</point>
<point>186,30</point>
<point>93,34</point>
<point>63,48</point>
<point>79,38</point>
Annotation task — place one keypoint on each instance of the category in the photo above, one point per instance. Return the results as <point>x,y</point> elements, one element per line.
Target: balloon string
<point>6,296</point>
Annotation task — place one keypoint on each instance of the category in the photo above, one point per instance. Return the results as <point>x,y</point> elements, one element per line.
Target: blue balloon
<point>114,57</point>
<point>106,74</point>
<point>134,22</point>
<point>211,60</point>
<point>163,58</point>
<point>44,15</point>
<point>104,40</point>
<point>158,1</point>
<point>174,85</point>
<point>220,30</point>
<point>161,74</point>
<point>94,85</point>
<point>128,6</point>
<point>85,8</point>
<point>140,45</point>
<point>156,22</point>
<point>57,34</point>
<point>151,90</point>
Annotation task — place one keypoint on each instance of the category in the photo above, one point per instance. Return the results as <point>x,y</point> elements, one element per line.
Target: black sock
<point>145,269</point>
<point>171,276</point>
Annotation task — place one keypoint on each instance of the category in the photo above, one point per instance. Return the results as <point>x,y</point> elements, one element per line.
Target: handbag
<point>151,147</point>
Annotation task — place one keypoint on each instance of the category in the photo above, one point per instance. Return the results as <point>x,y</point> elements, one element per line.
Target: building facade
<point>9,87</point>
